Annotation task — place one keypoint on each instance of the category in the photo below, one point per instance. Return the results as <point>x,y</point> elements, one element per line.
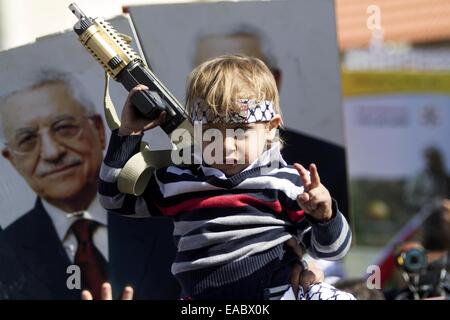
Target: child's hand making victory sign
<point>315,199</point>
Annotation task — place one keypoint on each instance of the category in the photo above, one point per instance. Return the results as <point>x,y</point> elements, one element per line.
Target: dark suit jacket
<point>141,251</point>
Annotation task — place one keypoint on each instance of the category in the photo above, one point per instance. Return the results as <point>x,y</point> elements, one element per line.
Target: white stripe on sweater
<point>333,247</point>
<point>178,171</point>
<point>262,182</point>
<point>183,227</point>
<point>181,187</point>
<point>207,262</point>
<point>343,252</point>
<point>285,169</point>
<point>206,239</point>
<point>109,174</point>
<point>265,182</point>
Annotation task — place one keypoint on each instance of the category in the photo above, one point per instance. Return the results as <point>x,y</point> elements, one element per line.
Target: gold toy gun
<point>112,50</point>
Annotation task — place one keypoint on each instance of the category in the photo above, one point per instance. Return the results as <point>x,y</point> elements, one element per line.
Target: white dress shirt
<point>62,222</point>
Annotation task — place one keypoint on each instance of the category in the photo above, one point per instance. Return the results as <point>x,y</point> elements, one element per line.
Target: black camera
<point>413,260</point>
<point>424,279</point>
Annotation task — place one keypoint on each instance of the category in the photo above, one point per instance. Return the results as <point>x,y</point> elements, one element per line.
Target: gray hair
<point>75,87</point>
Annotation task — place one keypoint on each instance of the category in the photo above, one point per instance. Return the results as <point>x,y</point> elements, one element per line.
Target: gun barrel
<point>123,64</point>
<point>76,11</point>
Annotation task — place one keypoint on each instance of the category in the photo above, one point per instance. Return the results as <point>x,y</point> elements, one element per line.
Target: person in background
<point>432,182</point>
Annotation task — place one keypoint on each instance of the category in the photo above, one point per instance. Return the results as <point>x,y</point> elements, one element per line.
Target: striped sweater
<point>225,228</point>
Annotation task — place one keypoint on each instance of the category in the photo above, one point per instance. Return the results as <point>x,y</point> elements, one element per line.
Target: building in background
<point>396,79</point>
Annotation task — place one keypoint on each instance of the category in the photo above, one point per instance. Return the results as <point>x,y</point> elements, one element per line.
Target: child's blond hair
<point>221,81</point>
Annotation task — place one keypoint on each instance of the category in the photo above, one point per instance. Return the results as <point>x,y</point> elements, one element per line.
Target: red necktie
<point>88,258</point>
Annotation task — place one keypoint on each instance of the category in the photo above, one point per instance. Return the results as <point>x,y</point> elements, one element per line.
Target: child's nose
<point>230,144</point>
<point>229,148</point>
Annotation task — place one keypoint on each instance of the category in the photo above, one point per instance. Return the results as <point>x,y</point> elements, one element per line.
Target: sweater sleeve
<point>328,240</point>
<point>120,150</point>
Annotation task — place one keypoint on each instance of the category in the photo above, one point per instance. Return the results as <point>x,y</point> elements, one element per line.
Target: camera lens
<point>415,260</point>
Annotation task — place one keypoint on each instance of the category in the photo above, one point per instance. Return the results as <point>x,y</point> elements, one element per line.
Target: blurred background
<point>394,61</point>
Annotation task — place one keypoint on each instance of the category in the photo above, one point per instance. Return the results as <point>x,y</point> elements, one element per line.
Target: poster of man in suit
<point>53,137</point>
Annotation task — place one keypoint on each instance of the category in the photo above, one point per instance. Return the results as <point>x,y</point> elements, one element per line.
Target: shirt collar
<point>63,220</point>
<point>272,155</point>
<point>269,157</point>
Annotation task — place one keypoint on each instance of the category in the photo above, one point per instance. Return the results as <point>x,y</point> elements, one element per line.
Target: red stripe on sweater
<point>234,201</point>
<point>296,215</point>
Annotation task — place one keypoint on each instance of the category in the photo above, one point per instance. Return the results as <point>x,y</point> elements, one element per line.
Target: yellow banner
<point>357,83</point>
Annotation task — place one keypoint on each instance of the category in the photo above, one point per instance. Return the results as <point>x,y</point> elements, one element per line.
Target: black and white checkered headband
<point>251,111</point>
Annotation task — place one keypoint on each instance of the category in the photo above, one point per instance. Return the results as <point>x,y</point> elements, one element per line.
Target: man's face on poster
<point>52,141</point>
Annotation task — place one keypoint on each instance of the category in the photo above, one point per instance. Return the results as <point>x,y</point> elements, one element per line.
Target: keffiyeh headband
<point>251,111</point>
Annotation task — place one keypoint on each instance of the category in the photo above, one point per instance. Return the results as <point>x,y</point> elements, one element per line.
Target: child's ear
<point>275,122</point>
<point>274,125</point>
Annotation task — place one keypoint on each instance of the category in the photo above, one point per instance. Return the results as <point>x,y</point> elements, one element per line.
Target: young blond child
<point>234,211</point>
